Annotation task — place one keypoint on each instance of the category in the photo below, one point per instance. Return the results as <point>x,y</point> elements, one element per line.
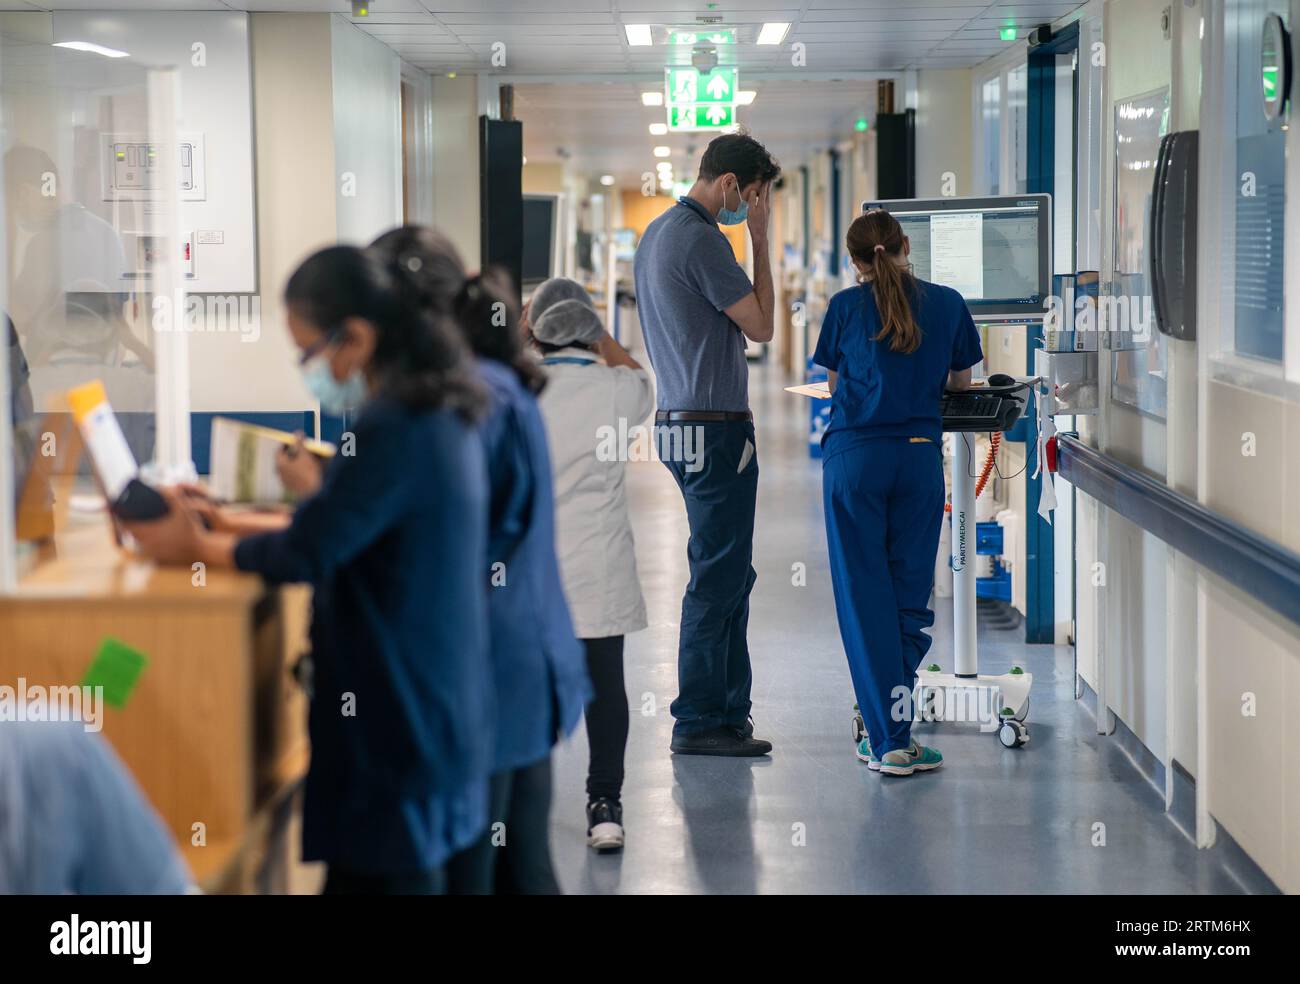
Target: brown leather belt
<point>702,416</point>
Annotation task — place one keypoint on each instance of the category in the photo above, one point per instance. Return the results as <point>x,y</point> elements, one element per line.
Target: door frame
<point>1040,549</point>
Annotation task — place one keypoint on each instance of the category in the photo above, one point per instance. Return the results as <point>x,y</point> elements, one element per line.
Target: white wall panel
<point>367,134</point>
<point>211,51</point>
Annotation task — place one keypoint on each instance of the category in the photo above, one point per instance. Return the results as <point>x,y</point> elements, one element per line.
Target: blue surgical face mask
<point>335,397</point>
<point>729,217</point>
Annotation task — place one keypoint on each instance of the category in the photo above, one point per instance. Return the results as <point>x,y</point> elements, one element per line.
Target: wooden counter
<point>215,729</point>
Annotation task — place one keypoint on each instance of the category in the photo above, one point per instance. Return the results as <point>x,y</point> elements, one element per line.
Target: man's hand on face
<point>760,202</point>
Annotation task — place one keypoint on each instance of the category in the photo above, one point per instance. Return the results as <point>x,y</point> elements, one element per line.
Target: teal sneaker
<point>905,761</point>
<point>865,754</point>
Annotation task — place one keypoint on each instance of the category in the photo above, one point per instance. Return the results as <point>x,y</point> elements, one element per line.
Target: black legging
<point>513,857</point>
<point>607,717</point>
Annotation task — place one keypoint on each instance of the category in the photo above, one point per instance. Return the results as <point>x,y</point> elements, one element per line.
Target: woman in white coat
<point>595,390</point>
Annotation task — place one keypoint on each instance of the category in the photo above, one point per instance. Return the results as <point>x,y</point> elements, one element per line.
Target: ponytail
<point>418,360</point>
<point>486,310</point>
<point>482,308</point>
<point>875,242</point>
<point>436,357</point>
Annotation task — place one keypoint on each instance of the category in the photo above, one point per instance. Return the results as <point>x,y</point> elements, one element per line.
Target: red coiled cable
<point>995,441</point>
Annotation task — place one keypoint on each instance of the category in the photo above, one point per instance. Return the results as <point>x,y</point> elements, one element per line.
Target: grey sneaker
<point>914,758</point>
<point>865,754</point>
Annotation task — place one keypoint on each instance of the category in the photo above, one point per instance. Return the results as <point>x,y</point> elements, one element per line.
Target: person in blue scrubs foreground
<point>73,820</point>
<point>540,672</point>
<point>393,544</point>
<point>890,344</point>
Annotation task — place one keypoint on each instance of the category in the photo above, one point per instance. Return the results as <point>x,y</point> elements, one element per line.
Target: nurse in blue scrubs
<point>891,344</point>
<point>539,665</point>
<point>393,543</point>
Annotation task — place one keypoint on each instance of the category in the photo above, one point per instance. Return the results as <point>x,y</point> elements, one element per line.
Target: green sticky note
<point>116,667</point>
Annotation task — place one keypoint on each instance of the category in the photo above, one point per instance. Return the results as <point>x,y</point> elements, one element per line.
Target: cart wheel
<point>1013,733</point>
<point>859,728</point>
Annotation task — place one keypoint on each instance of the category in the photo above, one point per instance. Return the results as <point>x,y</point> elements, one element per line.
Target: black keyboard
<point>979,412</point>
<point>970,405</point>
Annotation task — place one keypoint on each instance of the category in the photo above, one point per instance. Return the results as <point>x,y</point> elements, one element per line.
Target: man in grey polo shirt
<point>697,307</point>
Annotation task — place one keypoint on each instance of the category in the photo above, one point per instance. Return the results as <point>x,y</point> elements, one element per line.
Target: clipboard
<point>817,391</point>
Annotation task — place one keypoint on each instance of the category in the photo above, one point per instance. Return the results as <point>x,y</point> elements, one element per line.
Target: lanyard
<point>698,209</point>
<point>567,360</point>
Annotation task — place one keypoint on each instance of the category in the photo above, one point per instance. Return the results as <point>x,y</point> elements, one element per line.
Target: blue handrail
<point>1265,570</point>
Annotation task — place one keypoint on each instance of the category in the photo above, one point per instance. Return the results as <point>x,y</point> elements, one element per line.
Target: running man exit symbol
<point>687,86</point>
<point>702,117</point>
<point>684,88</point>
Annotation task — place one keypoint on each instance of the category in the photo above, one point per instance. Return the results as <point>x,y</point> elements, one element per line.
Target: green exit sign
<point>690,87</point>
<point>1270,78</point>
<point>721,36</point>
<point>709,116</point>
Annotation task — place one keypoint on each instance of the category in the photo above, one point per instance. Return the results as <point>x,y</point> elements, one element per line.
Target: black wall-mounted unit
<point>1173,236</point>
<point>501,198</point>
<point>896,154</point>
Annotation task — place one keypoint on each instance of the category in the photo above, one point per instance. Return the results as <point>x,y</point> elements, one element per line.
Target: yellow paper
<point>83,399</point>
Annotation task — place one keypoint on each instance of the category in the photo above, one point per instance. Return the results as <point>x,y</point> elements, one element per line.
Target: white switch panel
<point>130,167</point>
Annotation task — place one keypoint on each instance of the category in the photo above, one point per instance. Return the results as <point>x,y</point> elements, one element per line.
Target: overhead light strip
<point>97,49</point>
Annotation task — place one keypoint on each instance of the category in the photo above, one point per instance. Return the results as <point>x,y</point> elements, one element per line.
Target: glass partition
<point>86,251</point>
<point>1018,116</point>
<point>1139,356</point>
<point>991,145</point>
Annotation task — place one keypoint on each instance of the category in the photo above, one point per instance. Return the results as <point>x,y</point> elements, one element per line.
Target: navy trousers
<point>883,503</point>
<point>521,864</point>
<point>715,465</point>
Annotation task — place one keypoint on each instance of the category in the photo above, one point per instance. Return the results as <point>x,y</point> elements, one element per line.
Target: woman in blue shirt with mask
<point>539,666</point>
<point>392,542</point>
<point>890,344</point>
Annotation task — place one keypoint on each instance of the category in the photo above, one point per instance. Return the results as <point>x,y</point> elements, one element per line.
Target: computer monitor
<point>543,240</point>
<point>995,252</point>
<point>625,244</point>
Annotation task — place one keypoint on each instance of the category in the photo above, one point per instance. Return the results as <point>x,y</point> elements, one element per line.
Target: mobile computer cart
<point>943,696</point>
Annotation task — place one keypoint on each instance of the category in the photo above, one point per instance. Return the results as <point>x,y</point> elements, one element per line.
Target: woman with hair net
<point>595,390</point>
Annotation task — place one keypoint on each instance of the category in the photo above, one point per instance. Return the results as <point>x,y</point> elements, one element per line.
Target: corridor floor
<point>812,818</point>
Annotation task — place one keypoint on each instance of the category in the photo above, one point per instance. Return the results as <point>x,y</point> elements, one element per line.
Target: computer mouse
<point>1001,379</point>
